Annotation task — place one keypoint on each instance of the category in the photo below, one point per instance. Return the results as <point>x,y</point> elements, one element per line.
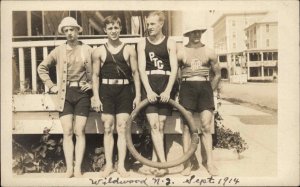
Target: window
<point>233,45</point>
<point>19,23</point>
<point>254,57</point>
<point>275,55</point>
<point>233,35</point>
<point>222,58</point>
<point>233,23</point>
<point>267,42</point>
<point>255,44</point>
<point>268,71</point>
<point>255,72</point>
<point>267,27</point>
<point>269,56</point>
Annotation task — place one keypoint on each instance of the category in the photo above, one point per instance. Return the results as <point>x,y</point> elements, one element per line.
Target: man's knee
<point>79,132</point>
<point>206,125</point>
<point>108,127</point>
<point>68,133</point>
<point>155,127</point>
<point>121,127</point>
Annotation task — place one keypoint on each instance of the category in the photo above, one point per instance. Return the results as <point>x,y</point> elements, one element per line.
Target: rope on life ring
<point>185,157</point>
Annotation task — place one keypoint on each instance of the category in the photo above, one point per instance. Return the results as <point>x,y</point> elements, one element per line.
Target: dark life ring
<point>182,159</point>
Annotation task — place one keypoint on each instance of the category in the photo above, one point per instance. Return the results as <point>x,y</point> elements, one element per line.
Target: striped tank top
<point>196,62</point>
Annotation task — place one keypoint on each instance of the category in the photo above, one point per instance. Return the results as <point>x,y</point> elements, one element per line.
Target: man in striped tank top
<point>158,69</point>
<point>116,64</point>
<point>198,64</point>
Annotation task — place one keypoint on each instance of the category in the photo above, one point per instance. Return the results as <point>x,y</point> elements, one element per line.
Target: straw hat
<point>194,27</point>
<point>68,21</point>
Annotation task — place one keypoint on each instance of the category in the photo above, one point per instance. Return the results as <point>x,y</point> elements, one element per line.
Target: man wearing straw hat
<point>73,64</point>
<point>200,75</point>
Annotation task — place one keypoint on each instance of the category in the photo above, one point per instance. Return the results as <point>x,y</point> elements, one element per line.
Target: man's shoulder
<point>86,46</point>
<point>99,49</point>
<point>128,48</point>
<point>141,43</point>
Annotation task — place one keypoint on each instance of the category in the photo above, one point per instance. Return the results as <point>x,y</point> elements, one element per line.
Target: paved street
<point>253,93</point>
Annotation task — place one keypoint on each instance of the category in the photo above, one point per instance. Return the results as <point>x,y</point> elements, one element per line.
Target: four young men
<point>115,71</point>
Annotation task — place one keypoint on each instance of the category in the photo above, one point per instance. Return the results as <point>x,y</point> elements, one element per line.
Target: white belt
<point>75,83</point>
<point>115,81</point>
<point>195,78</point>
<point>158,72</point>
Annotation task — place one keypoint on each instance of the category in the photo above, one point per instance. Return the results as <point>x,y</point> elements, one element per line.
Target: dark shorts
<point>158,84</point>
<point>116,98</point>
<point>77,102</point>
<point>196,96</point>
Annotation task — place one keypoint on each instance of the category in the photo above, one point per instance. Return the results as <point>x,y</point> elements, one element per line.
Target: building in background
<point>230,42</point>
<point>262,48</point>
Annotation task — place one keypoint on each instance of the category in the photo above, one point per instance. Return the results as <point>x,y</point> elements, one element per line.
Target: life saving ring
<point>185,157</point>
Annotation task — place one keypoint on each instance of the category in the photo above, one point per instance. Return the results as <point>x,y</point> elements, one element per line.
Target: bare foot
<point>161,172</point>
<point>186,171</point>
<point>122,171</point>
<point>212,170</point>
<point>153,170</point>
<point>144,170</point>
<point>77,173</point>
<point>69,174</point>
<point>107,171</point>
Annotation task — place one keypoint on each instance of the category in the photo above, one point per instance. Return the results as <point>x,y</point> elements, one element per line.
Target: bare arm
<point>96,55</point>
<point>215,66</point>
<point>152,96</point>
<point>135,74</point>
<point>174,67</point>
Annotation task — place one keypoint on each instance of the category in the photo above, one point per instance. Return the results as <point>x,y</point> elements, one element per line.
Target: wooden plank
<point>22,69</point>
<point>34,102</point>
<point>33,69</point>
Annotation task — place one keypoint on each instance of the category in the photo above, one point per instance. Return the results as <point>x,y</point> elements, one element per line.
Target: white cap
<point>193,20</point>
<point>194,27</point>
<point>68,22</point>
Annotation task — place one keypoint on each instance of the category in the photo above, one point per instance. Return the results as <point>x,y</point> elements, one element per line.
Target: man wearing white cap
<point>200,73</point>
<point>73,64</point>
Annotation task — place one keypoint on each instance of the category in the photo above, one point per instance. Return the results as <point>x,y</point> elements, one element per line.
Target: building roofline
<point>235,14</point>
<point>257,23</point>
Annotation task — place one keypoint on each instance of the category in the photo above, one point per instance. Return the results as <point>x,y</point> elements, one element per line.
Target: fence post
<point>22,69</point>
<point>33,69</point>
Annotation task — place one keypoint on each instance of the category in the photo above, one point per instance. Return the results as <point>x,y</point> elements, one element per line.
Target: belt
<point>115,81</point>
<point>158,72</point>
<point>195,78</point>
<point>75,83</point>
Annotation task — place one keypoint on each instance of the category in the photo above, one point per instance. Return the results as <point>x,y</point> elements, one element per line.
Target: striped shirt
<point>196,62</point>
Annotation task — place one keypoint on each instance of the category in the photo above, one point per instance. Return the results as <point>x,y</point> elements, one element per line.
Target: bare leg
<point>156,136</point>
<point>80,122</point>
<point>206,138</point>
<point>67,126</point>
<point>108,121</point>
<point>121,123</point>
<point>186,142</point>
<point>162,120</point>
